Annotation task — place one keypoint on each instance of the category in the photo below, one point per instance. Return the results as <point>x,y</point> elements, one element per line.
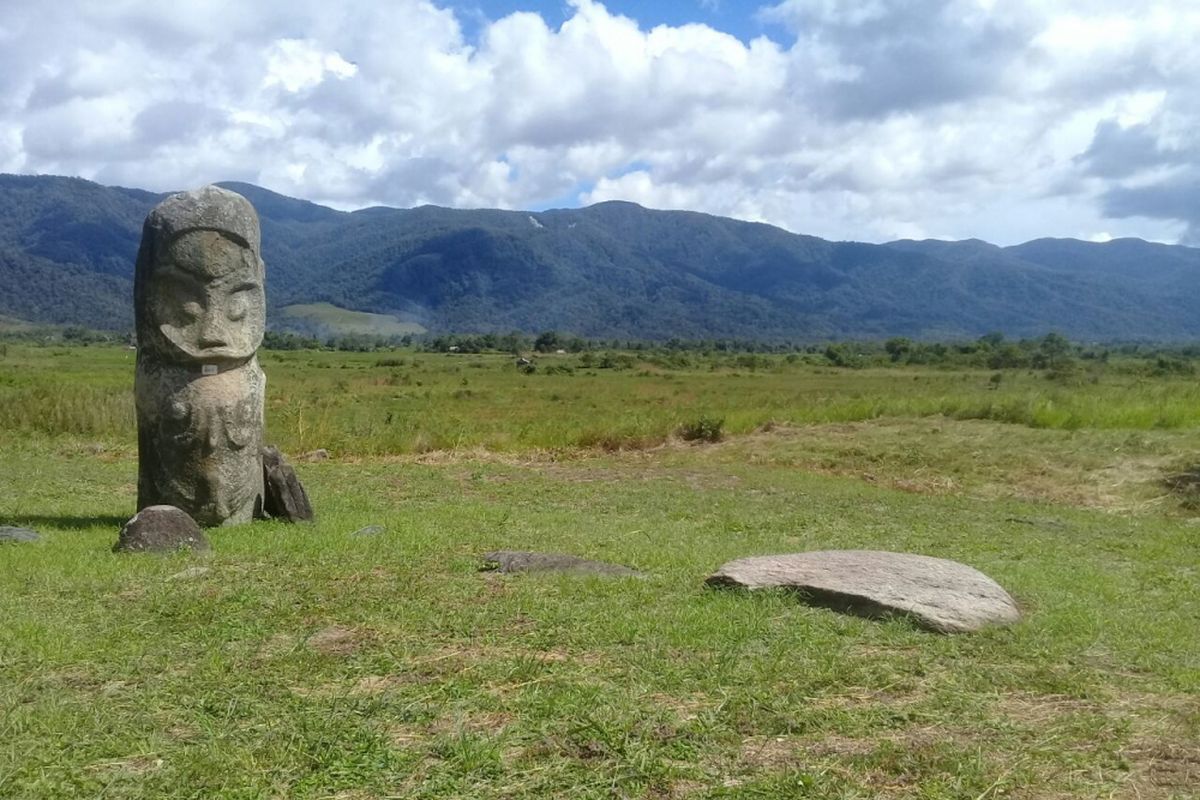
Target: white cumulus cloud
<point>866,120</point>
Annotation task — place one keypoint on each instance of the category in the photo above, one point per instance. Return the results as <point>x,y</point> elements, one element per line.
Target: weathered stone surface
<point>939,594</point>
<point>284,496</point>
<point>160,529</point>
<point>523,561</point>
<point>11,534</point>
<point>200,310</point>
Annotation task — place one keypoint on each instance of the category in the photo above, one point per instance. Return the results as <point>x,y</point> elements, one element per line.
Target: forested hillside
<point>611,270</point>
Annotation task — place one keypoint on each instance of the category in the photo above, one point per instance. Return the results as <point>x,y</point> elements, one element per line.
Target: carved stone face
<point>206,298</point>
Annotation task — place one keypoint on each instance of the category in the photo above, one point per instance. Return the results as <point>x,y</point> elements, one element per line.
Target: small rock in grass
<point>510,561</point>
<point>160,529</point>
<point>11,534</point>
<point>370,530</point>
<point>189,573</point>
<point>941,595</point>
<point>320,454</point>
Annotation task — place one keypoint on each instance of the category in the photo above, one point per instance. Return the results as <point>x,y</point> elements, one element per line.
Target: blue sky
<point>870,120</point>
<point>730,16</point>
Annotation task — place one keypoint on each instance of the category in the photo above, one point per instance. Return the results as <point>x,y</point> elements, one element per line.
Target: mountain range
<point>611,270</point>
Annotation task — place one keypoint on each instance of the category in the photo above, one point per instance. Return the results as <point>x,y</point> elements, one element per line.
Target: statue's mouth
<point>211,347</point>
<point>223,351</point>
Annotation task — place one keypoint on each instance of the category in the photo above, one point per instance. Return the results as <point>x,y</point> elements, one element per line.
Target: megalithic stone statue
<point>200,310</point>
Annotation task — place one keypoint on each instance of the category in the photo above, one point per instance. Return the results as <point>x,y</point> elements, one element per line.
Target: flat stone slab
<point>939,594</point>
<point>160,529</point>
<point>510,561</point>
<point>11,534</point>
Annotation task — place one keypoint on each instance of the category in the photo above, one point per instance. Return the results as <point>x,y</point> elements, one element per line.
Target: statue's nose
<point>211,334</point>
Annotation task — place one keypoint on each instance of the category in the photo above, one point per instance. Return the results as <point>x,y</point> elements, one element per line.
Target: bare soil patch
<point>336,640</point>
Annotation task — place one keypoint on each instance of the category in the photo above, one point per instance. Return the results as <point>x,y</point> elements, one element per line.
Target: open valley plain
<point>367,656</point>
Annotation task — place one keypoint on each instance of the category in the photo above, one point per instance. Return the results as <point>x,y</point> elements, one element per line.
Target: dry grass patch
<point>778,752</point>
<point>1164,754</point>
<point>1162,769</point>
<point>771,752</point>
<point>1040,711</point>
<point>379,684</point>
<point>1161,760</point>
<point>642,465</point>
<point>440,665</point>
<point>678,790</point>
<point>131,766</point>
<point>482,723</point>
<point>410,736</point>
<point>524,458</point>
<point>465,656</point>
<point>892,763</point>
<point>686,708</point>
<point>1109,470</point>
<point>336,640</point>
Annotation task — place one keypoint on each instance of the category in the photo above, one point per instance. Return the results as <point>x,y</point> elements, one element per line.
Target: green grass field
<point>309,662</point>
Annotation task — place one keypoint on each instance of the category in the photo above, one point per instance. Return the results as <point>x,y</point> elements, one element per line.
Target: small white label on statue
<point>208,369</point>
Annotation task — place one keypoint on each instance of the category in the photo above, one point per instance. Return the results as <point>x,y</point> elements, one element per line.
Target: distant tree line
<point>1053,353</point>
<point>517,342</point>
<point>60,335</point>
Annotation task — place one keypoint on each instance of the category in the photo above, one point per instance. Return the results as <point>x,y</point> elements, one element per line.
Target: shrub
<point>1169,365</point>
<point>704,429</point>
<point>616,361</point>
<point>842,355</point>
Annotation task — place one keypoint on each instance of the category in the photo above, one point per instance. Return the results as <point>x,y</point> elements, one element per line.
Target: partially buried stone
<point>938,594</point>
<point>284,496</point>
<point>370,530</point>
<point>524,561</point>
<point>160,529</point>
<point>11,534</point>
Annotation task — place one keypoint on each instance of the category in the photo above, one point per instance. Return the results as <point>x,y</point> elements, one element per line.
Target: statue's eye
<point>239,301</point>
<point>192,309</point>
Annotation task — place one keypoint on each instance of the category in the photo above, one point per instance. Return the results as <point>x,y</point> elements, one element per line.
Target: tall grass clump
<point>97,412</point>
